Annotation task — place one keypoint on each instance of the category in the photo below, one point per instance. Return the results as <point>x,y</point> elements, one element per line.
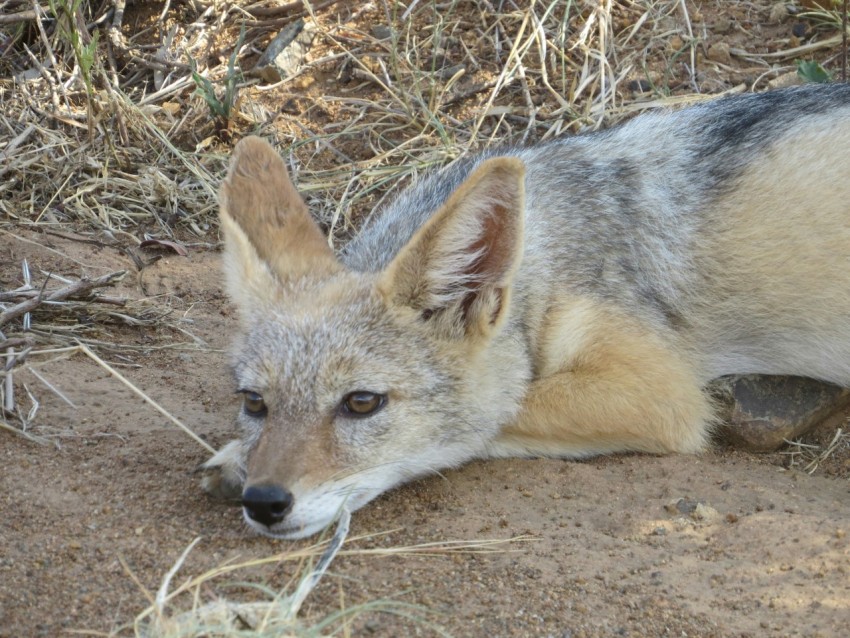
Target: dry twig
<point>79,289</point>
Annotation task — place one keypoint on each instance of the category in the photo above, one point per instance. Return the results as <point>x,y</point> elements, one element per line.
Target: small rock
<point>762,412</point>
<point>676,43</point>
<point>792,78</point>
<point>286,52</point>
<point>719,52</point>
<point>640,86</point>
<point>382,32</point>
<point>372,626</point>
<point>705,513</point>
<point>722,26</point>
<point>778,12</point>
<point>684,505</point>
<point>172,108</point>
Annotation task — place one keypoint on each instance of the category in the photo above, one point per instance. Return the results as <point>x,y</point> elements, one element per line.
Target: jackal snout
<point>267,504</point>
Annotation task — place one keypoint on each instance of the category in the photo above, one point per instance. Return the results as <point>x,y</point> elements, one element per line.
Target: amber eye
<point>253,404</point>
<point>358,404</point>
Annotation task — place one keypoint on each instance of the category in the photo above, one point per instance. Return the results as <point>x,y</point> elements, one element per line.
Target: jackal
<point>567,299</point>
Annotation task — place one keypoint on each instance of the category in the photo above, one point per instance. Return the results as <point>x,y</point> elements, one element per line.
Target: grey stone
<point>761,412</point>
<point>382,32</point>
<point>683,505</point>
<point>286,52</point>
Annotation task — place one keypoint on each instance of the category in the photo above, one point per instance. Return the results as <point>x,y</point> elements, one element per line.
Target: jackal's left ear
<point>269,236</point>
<point>456,271</point>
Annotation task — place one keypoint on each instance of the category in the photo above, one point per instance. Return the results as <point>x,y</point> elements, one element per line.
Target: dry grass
<point>105,133</point>
<point>125,148</point>
<point>182,612</point>
<point>138,153</point>
<point>810,456</point>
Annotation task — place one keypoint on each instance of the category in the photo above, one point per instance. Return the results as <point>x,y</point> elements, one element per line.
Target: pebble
<point>685,505</point>
<point>778,12</point>
<point>640,86</point>
<point>705,513</point>
<point>382,32</point>
<point>719,52</point>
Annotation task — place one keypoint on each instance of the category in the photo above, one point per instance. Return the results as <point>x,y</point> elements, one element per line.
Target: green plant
<point>220,108</point>
<point>812,71</point>
<point>71,31</point>
<point>831,14</point>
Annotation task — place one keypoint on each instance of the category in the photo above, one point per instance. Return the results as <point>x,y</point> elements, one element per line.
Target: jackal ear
<point>456,271</point>
<point>268,232</point>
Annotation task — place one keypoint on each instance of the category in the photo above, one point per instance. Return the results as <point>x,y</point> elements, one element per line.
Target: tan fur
<point>301,471</point>
<point>606,384</point>
<point>259,196</point>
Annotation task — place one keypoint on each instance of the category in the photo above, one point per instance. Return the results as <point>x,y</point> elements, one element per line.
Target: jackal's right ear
<point>457,269</point>
<point>269,236</point>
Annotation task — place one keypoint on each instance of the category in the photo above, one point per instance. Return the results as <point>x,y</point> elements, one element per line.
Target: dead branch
<point>20,16</point>
<point>81,288</point>
<point>16,342</point>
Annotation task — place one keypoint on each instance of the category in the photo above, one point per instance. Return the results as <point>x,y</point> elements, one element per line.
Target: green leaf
<point>812,71</point>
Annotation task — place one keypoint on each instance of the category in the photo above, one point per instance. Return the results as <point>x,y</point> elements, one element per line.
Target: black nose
<point>266,504</point>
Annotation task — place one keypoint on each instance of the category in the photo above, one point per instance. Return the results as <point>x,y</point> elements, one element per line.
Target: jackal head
<point>355,382</point>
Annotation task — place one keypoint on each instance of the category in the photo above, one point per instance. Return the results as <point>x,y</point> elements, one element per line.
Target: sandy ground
<point>606,550</point>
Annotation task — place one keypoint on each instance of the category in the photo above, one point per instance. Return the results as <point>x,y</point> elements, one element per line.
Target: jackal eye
<point>361,403</point>
<point>253,404</point>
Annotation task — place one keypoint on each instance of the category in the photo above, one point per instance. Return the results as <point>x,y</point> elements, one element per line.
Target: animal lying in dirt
<point>567,299</point>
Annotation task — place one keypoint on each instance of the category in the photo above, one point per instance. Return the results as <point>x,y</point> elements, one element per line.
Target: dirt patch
<point>753,549</point>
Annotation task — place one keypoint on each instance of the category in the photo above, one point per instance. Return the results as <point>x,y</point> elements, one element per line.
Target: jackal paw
<point>224,473</point>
